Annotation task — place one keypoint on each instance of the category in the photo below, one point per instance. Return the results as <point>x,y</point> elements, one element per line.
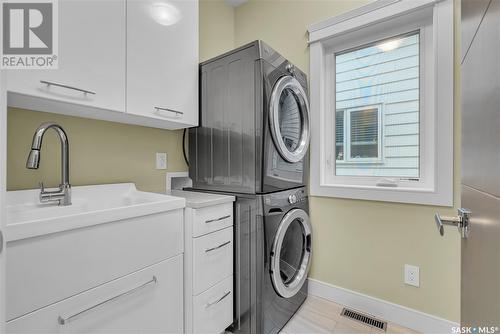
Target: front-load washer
<point>287,256</point>
<point>253,133</point>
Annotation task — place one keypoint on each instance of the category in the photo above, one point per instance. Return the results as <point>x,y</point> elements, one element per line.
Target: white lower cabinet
<point>44,270</point>
<point>213,309</point>
<point>147,301</point>
<point>208,266</point>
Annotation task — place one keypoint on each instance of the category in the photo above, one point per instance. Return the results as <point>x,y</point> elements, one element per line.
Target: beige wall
<point>106,152</point>
<point>363,245</point>
<point>216,28</point>
<point>100,152</point>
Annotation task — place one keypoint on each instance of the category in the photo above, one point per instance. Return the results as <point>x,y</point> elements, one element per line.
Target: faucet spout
<point>63,196</point>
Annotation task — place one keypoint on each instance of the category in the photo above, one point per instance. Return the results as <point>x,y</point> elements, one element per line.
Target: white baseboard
<point>401,315</point>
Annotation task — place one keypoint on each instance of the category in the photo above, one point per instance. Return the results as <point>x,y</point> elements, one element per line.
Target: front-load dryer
<point>253,133</point>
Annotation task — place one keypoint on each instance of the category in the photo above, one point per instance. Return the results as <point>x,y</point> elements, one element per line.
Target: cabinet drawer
<point>213,309</point>
<point>213,259</point>
<point>212,218</point>
<point>147,301</point>
<point>46,269</point>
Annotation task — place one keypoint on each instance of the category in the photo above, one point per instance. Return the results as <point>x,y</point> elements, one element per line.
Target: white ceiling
<point>235,3</point>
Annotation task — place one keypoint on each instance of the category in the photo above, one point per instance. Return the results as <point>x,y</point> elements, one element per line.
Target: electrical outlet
<point>161,160</point>
<point>412,275</point>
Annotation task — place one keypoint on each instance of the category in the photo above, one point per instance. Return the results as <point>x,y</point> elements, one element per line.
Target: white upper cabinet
<point>91,56</point>
<point>162,60</point>
<point>127,61</point>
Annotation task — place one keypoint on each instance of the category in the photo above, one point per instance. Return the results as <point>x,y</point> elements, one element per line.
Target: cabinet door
<point>147,301</point>
<point>91,57</point>
<point>162,60</point>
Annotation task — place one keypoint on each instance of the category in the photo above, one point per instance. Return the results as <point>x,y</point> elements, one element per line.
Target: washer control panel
<point>297,197</point>
<point>286,198</point>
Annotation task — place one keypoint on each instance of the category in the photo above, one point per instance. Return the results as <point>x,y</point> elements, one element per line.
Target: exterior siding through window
<point>370,76</point>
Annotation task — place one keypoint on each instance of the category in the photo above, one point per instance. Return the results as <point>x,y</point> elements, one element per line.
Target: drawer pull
<point>217,247</point>
<point>63,321</point>
<point>218,300</point>
<point>159,110</point>
<point>217,219</point>
<point>50,83</point>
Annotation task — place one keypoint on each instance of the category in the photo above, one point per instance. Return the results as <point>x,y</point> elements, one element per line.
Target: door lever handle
<point>461,222</point>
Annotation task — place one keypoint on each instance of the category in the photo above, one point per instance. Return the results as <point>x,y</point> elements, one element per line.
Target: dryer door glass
<point>289,119</point>
<point>291,256</point>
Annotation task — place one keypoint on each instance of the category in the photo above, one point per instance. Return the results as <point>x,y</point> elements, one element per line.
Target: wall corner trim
<point>398,314</point>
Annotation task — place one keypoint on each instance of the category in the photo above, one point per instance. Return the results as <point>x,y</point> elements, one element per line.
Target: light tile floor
<point>318,316</point>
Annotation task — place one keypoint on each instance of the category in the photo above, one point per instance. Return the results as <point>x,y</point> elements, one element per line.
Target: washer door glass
<point>291,256</point>
<point>289,119</point>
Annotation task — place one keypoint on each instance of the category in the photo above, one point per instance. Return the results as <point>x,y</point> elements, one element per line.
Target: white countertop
<point>91,205</point>
<point>198,200</point>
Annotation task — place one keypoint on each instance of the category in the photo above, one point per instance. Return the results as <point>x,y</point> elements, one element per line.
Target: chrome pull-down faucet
<point>63,194</point>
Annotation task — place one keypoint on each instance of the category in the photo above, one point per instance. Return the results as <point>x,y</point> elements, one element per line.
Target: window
<point>386,72</point>
<point>358,130</point>
<point>378,101</point>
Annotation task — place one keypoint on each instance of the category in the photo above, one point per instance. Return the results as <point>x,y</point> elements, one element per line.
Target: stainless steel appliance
<point>254,123</point>
<point>252,143</point>
<point>272,259</point>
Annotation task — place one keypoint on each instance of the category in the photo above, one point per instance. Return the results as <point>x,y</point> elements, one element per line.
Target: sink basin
<point>91,205</point>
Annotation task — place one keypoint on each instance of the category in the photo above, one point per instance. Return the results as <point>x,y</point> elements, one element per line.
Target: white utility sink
<point>91,205</point>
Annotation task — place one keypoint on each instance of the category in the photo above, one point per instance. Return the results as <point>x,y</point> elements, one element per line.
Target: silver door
<point>291,253</point>
<point>289,119</point>
<point>480,291</point>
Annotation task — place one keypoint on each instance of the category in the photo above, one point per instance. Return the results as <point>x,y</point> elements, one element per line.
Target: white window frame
<point>376,21</point>
<point>347,136</point>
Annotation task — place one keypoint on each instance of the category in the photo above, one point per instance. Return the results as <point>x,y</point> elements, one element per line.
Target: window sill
<point>398,194</point>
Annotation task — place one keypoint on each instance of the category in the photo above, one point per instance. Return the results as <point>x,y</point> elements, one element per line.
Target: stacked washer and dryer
<point>252,142</point>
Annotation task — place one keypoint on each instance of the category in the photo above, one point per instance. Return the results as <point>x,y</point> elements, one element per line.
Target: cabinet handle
<point>217,219</point>
<point>218,300</point>
<point>49,83</point>
<point>217,247</point>
<point>159,111</point>
<point>63,321</point>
